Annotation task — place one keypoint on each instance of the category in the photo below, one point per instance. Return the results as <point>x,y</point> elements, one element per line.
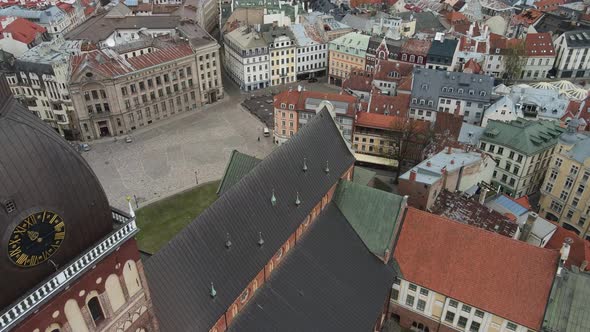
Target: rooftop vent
<point>260,239</point>
<point>227,241</point>
<point>273,198</point>
<point>212,292</point>
<point>297,200</point>
<point>327,170</point>
<point>9,206</point>
<point>305,164</point>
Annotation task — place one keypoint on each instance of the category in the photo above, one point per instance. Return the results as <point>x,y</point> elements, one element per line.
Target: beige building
<point>346,53</point>
<point>564,195</point>
<point>116,92</point>
<point>281,46</point>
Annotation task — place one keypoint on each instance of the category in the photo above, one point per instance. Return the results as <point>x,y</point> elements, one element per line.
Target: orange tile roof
<point>527,17</point>
<point>416,46</point>
<point>548,5</point>
<point>376,120</point>
<point>384,68</point>
<point>524,201</point>
<point>298,98</point>
<point>394,105</point>
<point>456,17</point>
<point>360,80</point>
<point>579,248</point>
<point>509,278</point>
<point>23,30</point>
<point>473,66</point>
<point>539,44</point>
<point>405,84</point>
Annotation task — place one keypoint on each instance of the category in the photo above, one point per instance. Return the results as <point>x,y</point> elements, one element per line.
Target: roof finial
<point>327,168</point>
<point>228,241</point>
<point>212,292</point>
<point>305,164</point>
<point>131,211</point>
<point>260,240</point>
<point>273,199</point>
<point>297,201</point>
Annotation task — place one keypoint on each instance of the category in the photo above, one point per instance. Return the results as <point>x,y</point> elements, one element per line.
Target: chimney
<point>528,226</point>
<point>413,175</point>
<point>565,249</point>
<point>428,164</point>
<point>482,195</point>
<point>449,151</point>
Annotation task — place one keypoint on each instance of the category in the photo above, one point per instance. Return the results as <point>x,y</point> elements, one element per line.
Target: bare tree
<point>409,137</point>
<point>514,62</point>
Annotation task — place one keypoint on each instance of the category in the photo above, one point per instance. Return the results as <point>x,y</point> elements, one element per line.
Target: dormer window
<point>414,100</point>
<point>482,93</point>
<point>444,89</point>
<point>471,92</point>
<point>497,51</point>
<point>283,105</point>
<point>460,91</point>
<point>421,101</point>
<point>451,90</point>
<point>430,103</point>
<point>291,106</point>
<point>424,86</point>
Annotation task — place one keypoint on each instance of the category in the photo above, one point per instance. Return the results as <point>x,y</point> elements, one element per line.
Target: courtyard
<point>176,154</point>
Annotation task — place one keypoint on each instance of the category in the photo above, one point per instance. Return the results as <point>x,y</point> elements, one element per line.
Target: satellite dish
<point>110,43</point>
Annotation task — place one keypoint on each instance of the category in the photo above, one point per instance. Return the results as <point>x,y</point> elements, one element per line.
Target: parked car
<point>266,132</point>
<point>312,80</point>
<point>85,147</point>
<point>128,139</point>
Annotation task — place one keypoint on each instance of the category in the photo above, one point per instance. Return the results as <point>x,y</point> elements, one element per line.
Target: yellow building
<point>346,53</point>
<point>564,195</point>
<point>281,45</point>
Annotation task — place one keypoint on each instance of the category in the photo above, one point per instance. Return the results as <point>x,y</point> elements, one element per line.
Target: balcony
<point>60,280</point>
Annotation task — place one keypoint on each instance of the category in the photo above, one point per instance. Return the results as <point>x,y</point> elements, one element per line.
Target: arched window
<point>53,328</point>
<point>420,59</point>
<point>95,310</point>
<point>404,57</point>
<point>412,58</point>
<point>482,93</point>
<point>244,296</point>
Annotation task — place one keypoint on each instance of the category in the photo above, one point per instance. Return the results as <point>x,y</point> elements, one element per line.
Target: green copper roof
<point>569,303</point>
<point>372,213</point>
<point>353,43</point>
<point>239,164</point>
<point>362,175</point>
<point>525,136</point>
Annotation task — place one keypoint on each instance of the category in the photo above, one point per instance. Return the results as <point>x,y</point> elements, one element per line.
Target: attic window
<point>9,206</point>
<point>89,74</point>
<point>291,106</point>
<point>283,105</point>
<point>482,93</point>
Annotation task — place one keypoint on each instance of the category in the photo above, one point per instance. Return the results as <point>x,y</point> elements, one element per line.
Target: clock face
<point>36,238</point>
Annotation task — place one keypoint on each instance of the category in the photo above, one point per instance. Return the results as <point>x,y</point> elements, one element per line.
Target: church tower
<point>68,261</point>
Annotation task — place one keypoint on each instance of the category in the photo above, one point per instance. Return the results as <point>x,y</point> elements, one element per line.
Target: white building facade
<point>247,59</point>
<point>312,52</point>
<point>573,60</point>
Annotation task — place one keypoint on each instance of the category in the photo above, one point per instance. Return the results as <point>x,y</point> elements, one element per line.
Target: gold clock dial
<point>36,238</point>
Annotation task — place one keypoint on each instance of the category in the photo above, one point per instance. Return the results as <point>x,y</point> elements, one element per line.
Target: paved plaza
<point>163,158</point>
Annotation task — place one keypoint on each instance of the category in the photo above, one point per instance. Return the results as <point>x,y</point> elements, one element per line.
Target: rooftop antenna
<point>297,201</point>
<point>305,164</point>
<point>273,199</point>
<point>228,241</point>
<point>212,292</point>
<point>260,240</point>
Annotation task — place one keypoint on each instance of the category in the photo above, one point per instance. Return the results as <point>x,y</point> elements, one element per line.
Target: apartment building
<point>442,54</point>
<point>247,58</point>
<point>114,95</point>
<point>281,47</point>
<point>522,150</point>
<point>539,56</point>
<point>294,108</point>
<point>380,49</point>
<point>451,279</point>
<point>328,27</point>
<point>312,51</point>
<point>455,170</point>
<point>450,92</point>
<point>39,81</point>
<point>564,194</point>
<point>346,54</point>
<point>55,20</point>
<point>573,60</point>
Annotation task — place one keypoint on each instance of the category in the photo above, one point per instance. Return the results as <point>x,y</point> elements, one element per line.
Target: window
<point>244,296</point>
<point>453,303</point>
<point>511,326</point>
<point>581,221</point>
<point>549,187</point>
<point>424,291</point>
<point>466,308</point>
<point>574,170</point>
<point>558,162</point>
<point>482,146</point>
<point>570,214</point>
<point>474,327</point>
<point>556,206</point>
<point>553,175</point>
<point>95,309</point>
<point>511,155</point>
<point>581,188</point>
<point>491,148</point>
<point>462,321</point>
<point>478,313</point>
<point>575,201</point>
<point>586,176</point>
<point>413,287</point>
<point>410,300</point>
<point>421,305</point>
<point>519,158</point>
<point>500,150</point>
<point>397,280</point>
<point>395,294</point>
<point>450,317</point>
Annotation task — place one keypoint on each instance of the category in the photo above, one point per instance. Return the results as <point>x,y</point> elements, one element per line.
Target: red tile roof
<point>23,30</point>
<point>579,248</point>
<point>539,44</point>
<point>509,278</point>
<point>66,7</point>
<point>524,202</point>
<point>575,107</point>
<point>359,80</point>
<point>376,120</point>
<point>416,46</point>
<point>548,5</point>
<point>384,70</point>
<point>112,67</point>
<point>405,84</point>
<point>471,66</point>
<point>527,17</point>
<point>394,105</point>
<point>467,44</point>
<point>456,17</point>
<point>298,98</point>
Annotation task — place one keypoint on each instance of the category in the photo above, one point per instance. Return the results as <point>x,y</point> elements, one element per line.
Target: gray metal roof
<point>569,303</point>
<point>179,275</point>
<point>578,38</point>
<point>45,16</point>
<point>429,83</point>
<point>329,282</point>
